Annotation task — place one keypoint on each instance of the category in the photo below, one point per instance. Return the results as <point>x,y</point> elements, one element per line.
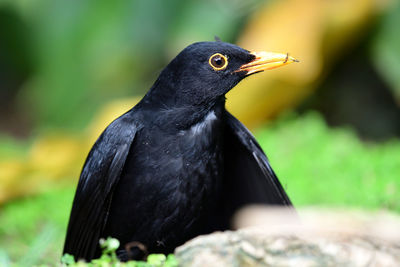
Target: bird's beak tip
<point>266,61</point>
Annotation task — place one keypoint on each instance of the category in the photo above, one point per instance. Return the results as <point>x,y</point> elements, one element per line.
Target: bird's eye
<point>218,61</point>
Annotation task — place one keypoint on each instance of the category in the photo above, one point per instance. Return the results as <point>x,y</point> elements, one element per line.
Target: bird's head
<point>204,72</point>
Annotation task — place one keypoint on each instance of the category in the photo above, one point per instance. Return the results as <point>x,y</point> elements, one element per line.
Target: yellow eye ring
<point>218,61</point>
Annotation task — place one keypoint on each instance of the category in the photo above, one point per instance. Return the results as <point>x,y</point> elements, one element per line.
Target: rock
<point>328,239</point>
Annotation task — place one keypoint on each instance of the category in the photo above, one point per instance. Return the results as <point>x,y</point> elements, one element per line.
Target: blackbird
<point>177,164</point>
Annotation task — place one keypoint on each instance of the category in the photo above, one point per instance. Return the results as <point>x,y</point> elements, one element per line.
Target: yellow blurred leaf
<point>10,171</point>
<point>314,31</point>
<point>55,155</point>
<point>107,114</point>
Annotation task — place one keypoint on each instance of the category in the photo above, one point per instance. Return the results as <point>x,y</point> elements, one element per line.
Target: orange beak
<point>266,61</point>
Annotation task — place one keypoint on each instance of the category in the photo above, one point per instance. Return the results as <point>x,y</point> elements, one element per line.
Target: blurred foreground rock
<point>321,239</point>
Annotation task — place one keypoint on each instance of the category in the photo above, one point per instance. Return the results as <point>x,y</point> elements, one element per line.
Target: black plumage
<point>178,164</point>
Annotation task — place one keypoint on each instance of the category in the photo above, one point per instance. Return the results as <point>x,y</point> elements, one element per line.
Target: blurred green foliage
<point>321,166</point>
<point>386,48</point>
<point>84,53</point>
<point>32,229</point>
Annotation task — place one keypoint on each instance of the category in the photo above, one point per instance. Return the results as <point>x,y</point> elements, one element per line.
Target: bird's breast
<point>201,128</point>
<point>171,177</point>
<point>181,163</point>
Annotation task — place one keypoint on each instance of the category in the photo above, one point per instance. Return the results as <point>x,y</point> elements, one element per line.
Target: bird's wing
<point>248,177</point>
<point>93,197</point>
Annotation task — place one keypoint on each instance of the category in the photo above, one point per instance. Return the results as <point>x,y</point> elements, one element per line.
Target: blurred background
<point>329,125</point>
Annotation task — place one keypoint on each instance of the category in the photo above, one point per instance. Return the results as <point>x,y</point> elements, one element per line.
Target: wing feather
<point>248,178</point>
<point>100,174</point>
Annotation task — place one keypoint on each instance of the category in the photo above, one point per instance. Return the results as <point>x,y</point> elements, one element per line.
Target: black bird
<point>178,164</point>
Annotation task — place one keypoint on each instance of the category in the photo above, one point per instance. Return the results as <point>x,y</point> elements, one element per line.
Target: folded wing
<point>100,174</point>
<point>248,177</point>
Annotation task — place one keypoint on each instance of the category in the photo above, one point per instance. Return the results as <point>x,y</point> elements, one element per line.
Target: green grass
<point>32,229</point>
<point>316,164</point>
<point>324,166</point>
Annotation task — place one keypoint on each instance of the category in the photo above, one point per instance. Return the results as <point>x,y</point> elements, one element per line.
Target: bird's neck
<point>182,116</point>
